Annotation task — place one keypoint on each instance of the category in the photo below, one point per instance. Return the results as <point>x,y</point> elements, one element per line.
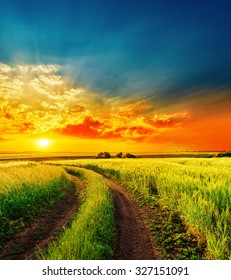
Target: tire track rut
<point>25,244</point>
<point>134,239</point>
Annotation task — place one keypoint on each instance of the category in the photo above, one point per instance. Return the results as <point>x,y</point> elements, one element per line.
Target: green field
<point>196,190</point>
<point>27,191</point>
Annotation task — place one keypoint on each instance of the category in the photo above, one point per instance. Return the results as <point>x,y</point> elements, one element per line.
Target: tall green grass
<point>26,192</point>
<point>198,190</point>
<point>91,234</point>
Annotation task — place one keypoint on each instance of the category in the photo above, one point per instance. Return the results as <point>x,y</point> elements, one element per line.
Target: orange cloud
<point>168,121</point>
<point>36,99</point>
<point>91,128</point>
<point>133,109</point>
<point>8,116</point>
<point>25,127</point>
<point>88,128</point>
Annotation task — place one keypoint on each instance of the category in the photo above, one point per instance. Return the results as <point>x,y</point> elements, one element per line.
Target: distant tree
<point>107,155</point>
<point>104,155</point>
<point>119,155</point>
<point>224,154</point>
<point>100,155</point>
<point>130,155</point>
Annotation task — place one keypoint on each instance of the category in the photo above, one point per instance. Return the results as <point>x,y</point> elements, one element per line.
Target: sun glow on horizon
<point>43,143</point>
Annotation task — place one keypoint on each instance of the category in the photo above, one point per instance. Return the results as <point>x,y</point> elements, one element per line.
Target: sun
<point>43,143</point>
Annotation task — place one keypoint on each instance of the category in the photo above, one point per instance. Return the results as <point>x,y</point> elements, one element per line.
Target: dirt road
<point>134,240</point>
<point>25,244</point>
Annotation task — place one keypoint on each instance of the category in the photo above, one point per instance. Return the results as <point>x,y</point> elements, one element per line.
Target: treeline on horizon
<point>129,155</point>
<point>119,155</point>
<point>225,154</point>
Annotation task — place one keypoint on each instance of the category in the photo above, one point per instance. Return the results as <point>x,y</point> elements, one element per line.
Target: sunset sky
<point>133,76</point>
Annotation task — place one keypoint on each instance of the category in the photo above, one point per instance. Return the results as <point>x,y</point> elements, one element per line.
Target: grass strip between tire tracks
<point>174,240</point>
<point>92,233</point>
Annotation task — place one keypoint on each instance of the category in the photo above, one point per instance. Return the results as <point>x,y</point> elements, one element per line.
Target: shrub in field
<point>119,155</point>
<point>128,155</point>
<point>104,155</point>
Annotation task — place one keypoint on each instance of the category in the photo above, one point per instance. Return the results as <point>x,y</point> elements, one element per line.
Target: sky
<point>133,76</point>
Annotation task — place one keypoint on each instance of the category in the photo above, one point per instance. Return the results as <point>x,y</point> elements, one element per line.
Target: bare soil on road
<point>134,239</point>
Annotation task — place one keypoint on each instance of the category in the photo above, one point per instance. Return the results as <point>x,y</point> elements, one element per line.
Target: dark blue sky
<point>162,47</point>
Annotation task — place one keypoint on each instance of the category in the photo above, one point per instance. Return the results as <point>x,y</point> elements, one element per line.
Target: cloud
<point>37,99</point>
<point>45,69</point>
<point>91,129</point>
<point>88,128</point>
<point>39,96</point>
<point>98,129</point>
<point>168,121</point>
<point>134,109</point>
<point>4,68</point>
<point>8,116</point>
